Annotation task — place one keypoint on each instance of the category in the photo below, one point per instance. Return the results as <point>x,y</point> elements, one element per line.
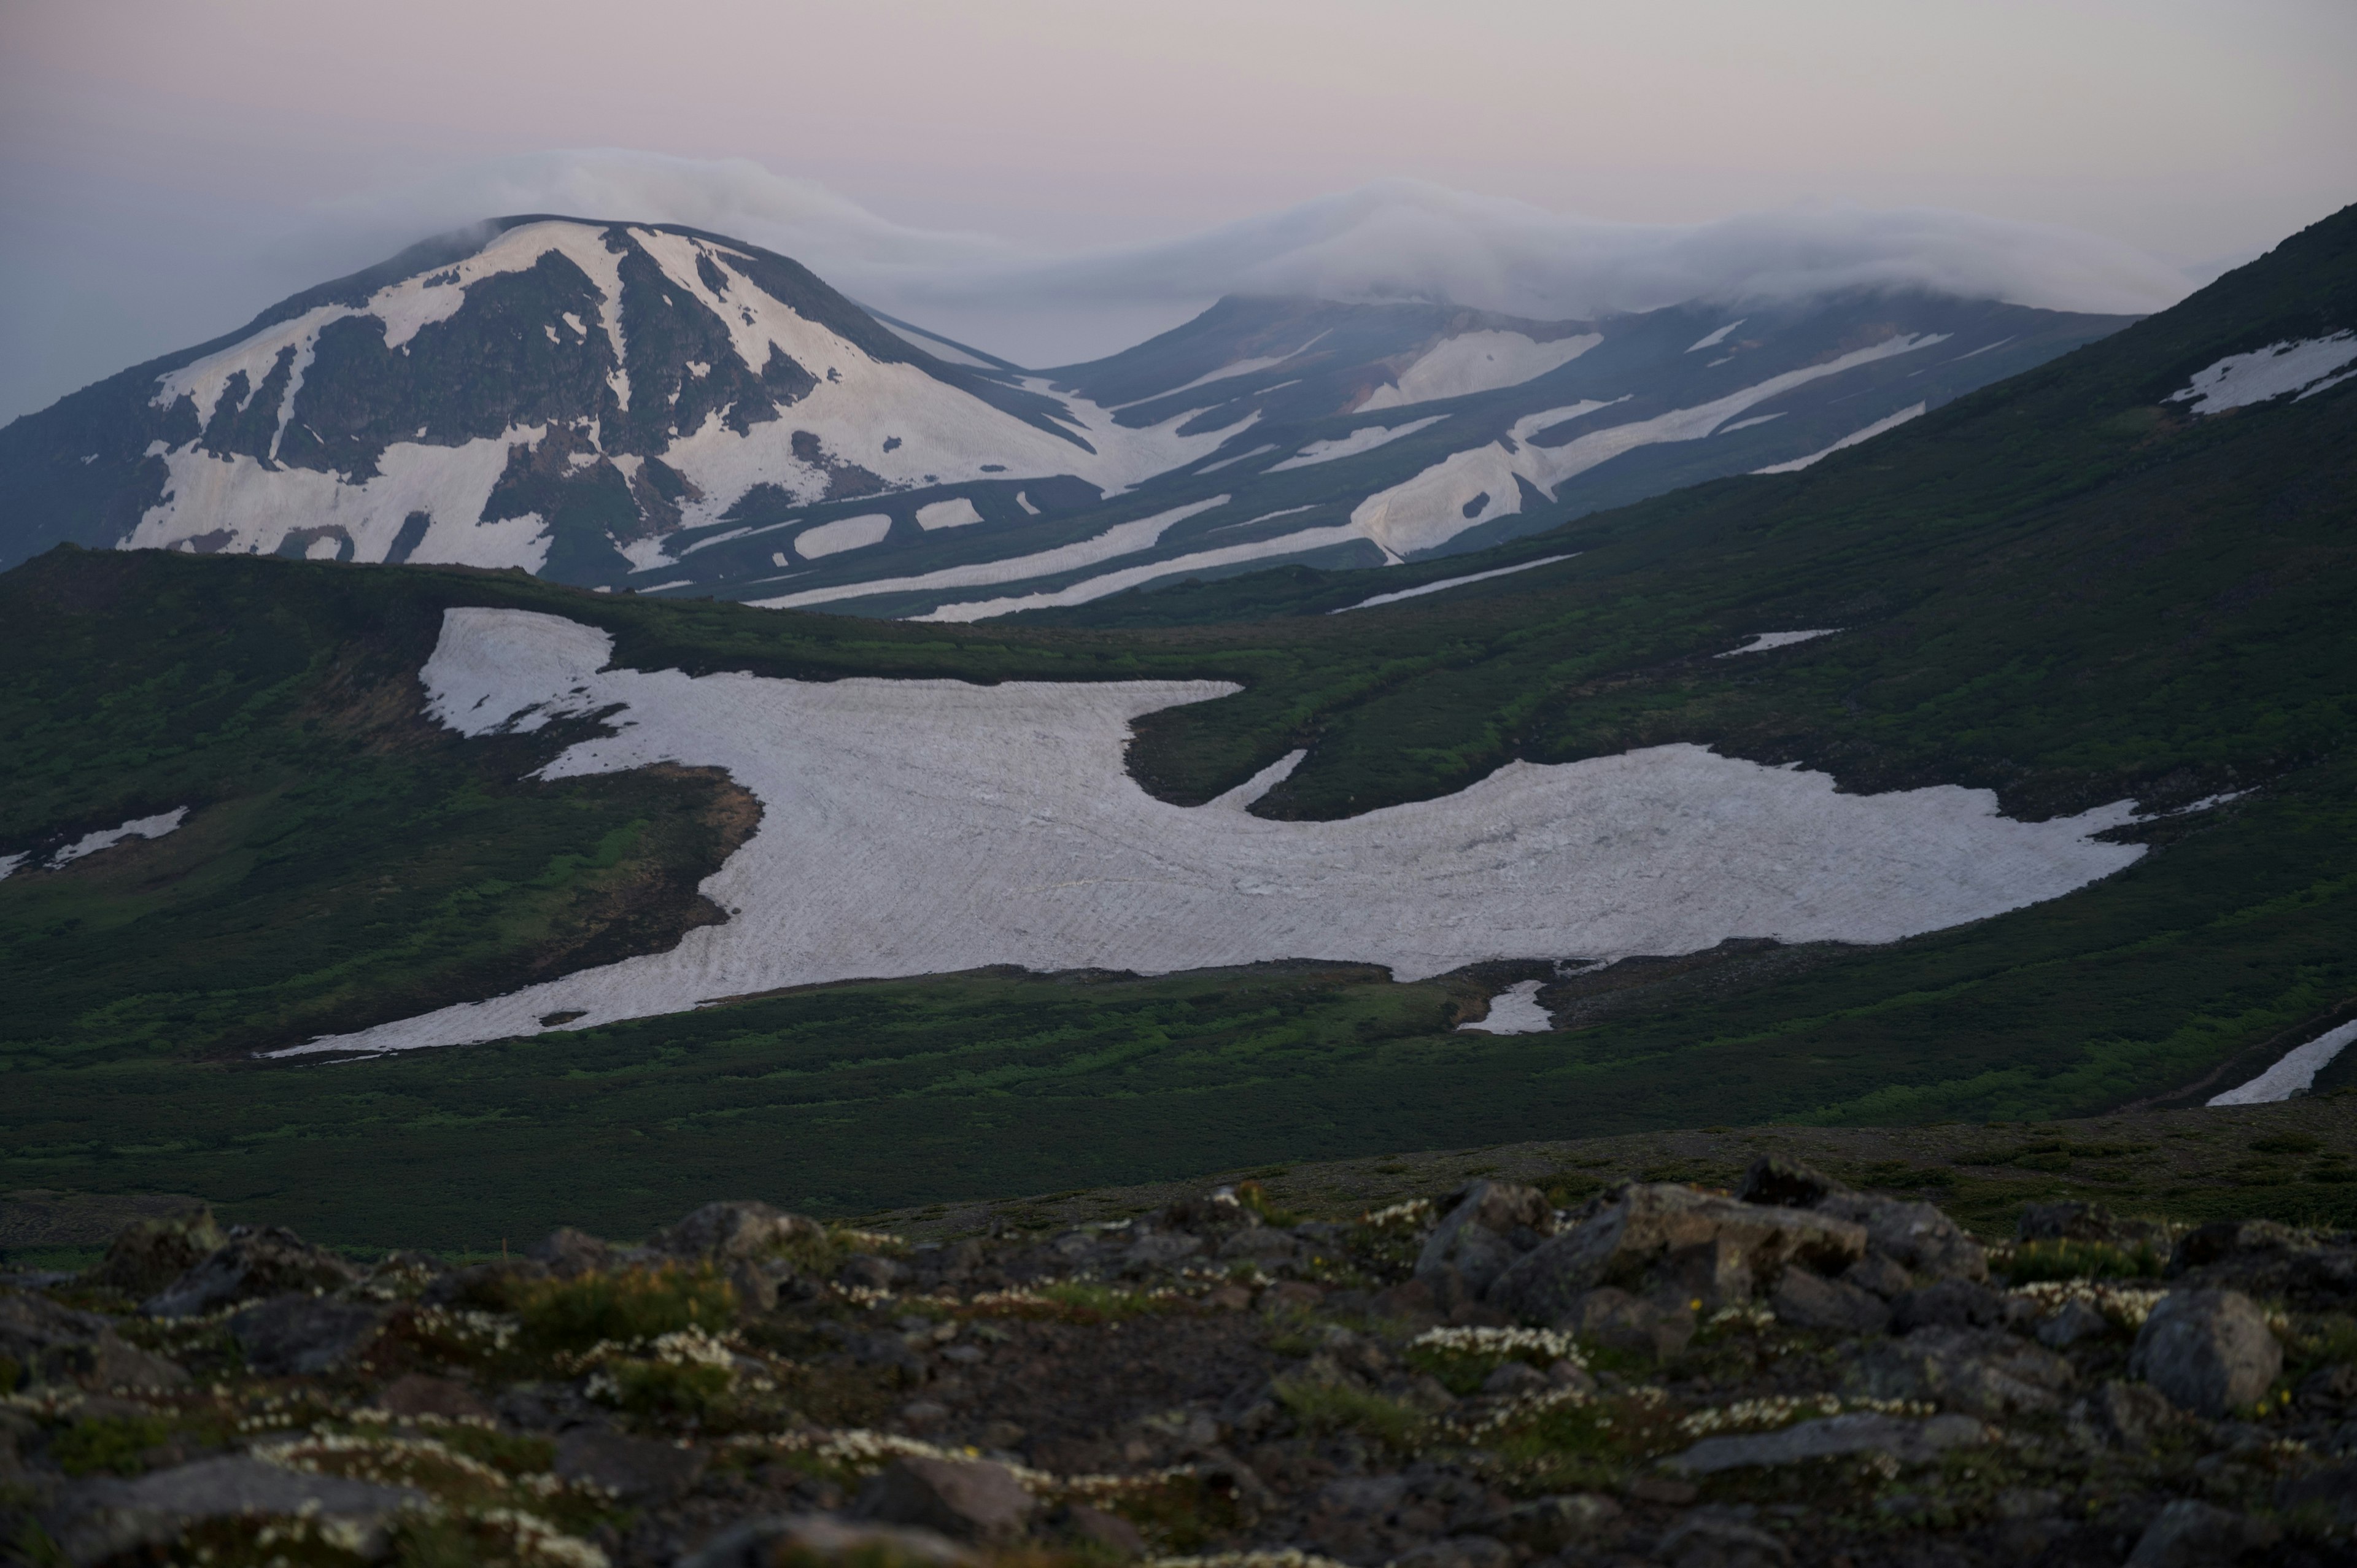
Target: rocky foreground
<point>1797,1373</point>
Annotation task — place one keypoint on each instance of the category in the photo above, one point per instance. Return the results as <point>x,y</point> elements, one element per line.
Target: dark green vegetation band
<point>2059,589</point>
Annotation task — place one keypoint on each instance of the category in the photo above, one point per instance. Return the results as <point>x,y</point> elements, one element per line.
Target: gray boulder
<point>738,1228</point>
<point>104,1518</point>
<point>1909,1442</point>
<point>1621,1245</point>
<point>148,1254</point>
<point>2210,1351</point>
<point>2330,1493</point>
<point>1916,1236</point>
<point>296,1335</point>
<point>1951,1304</point>
<point>2071,1323</point>
<point>1720,1538</point>
<point>1476,1238</point>
<point>1983,1372</point>
<point>568,1254</point>
<point>1457,1552</point>
<point>2190,1534</point>
<point>1619,1321</point>
<point>257,1260</point>
<point>1781,1183</point>
<point>1879,1274</point>
<point>2122,1415</point>
<point>1803,1300</point>
<point>2073,1221</point>
<point>970,1500</point>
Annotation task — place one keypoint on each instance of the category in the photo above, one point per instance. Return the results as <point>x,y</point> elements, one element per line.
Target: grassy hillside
<point>2060,588</point>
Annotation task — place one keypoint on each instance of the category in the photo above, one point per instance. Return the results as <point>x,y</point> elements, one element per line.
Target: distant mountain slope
<point>2122,576</point>
<point>657,408</point>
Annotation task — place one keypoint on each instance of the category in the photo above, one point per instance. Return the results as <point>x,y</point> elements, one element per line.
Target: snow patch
<point>1762,641</point>
<point>2295,1074</point>
<point>1891,421</point>
<point>1121,539</point>
<point>1479,363</point>
<point>1515,1010</point>
<point>917,827</point>
<point>1713,339</point>
<point>1447,583</point>
<point>1097,588</point>
<point>844,533</point>
<point>1230,462</point>
<point>153,827</point>
<point>1748,424</point>
<point>956,513</point>
<point>2239,380</point>
<point>1365,439</point>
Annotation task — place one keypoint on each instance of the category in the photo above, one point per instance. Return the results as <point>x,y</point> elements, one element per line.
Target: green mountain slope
<point>2064,588</point>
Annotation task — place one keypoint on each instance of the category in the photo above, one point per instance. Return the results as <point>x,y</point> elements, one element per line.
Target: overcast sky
<point>169,168</point>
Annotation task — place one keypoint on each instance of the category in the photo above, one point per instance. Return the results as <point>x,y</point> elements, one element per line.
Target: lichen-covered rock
<point>1983,1372</point>
<point>1909,1442</point>
<point>104,1518</point>
<point>1550,1524</point>
<point>635,1469</point>
<point>256,1261</point>
<point>2193,1534</point>
<point>1951,1304</point>
<point>1778,1182</point>
<point>964,1499</point>
<point>1479,1236</point>
<point>1619,1321</point>
<point>2128,1416</point>
<point>51,1345</point>
<point>568,1254</point>
<point>2072,1222</point>
<point>776,1541</point>
<point>1622,1244</point>
<point>2210,1351</point>
<point>1720,1538</point>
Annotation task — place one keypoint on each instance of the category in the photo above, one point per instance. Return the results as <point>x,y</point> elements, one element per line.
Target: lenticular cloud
<point>1394,239</point>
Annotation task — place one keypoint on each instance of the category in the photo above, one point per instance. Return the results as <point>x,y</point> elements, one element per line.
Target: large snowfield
<point>915,827</point>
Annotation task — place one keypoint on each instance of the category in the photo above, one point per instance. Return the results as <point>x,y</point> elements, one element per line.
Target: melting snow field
<point>1479,362</point>
<point>1762,641</point>
<point>2306,366</point>
<point>1514,1011</point>
<point>2295,1074</point>
<point>915,827</point>
<point>1891,422</point>
<point>153,827</point>
<point>1447,583</point>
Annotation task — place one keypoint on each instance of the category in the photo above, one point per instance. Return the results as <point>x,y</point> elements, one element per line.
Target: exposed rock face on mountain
<point>649,406</point>
<point>1213,1376</point>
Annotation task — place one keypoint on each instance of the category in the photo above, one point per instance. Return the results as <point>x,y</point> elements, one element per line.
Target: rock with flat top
<point>1984,1373</point>
<point>964,1499</point>
<point>1916,1236</point>
<point>2210,1351</point>
<point>298,1336</point>
<point>1834,1436</point>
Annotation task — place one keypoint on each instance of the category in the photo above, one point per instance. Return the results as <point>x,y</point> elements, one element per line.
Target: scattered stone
<point>298,1336</point>
<point>1713,1274</point>
<point>256,1261</point>
<point>1459,1552</point>
<point>2210,1351</point>
<point>2074,1221</point>
<point>1909,1442</point>
<point>865,1270</point>
<point>1621,1244</point>
<point>489,1286</point>
<point>2330,1494</point>
<point>1514,1378</point>
<point>1161,1249</point>
<point>1808,1301</point>
<point>102,1518</point>
<point>963,1500</point>
<point>2192,1534</point>
<point>1982,1372</point>
<point>1260,1243</point>
<point>635,1469</point>
<point>1661,1489</point>
<point>776,1542</point>
<point>1094,1526</point>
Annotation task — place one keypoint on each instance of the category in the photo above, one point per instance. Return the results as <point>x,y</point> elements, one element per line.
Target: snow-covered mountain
<point>656,408</point>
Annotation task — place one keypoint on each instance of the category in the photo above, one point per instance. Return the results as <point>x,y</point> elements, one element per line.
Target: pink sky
<point>153,153</point>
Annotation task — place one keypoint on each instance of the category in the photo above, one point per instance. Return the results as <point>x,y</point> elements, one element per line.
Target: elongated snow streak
<point>9,862</point>
<point>1120,539</point>
<point>1762,641</point>
<point>1448,583</point>
<point>1106,583</point>
<point>153,827</point>
<point>2305,367</point>
<point>917,827</point>
<point>1891,421</point>
<point>2295,1074</point>
<point>1365,439</point>
<point>1713,339</point>
<point>843,534</point>
<point>1477,362</point>
<point>1514,1010</point>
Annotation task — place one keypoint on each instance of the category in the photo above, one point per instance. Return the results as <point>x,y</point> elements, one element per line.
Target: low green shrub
<point>625,1308</point>
<point>2033,1260</point>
